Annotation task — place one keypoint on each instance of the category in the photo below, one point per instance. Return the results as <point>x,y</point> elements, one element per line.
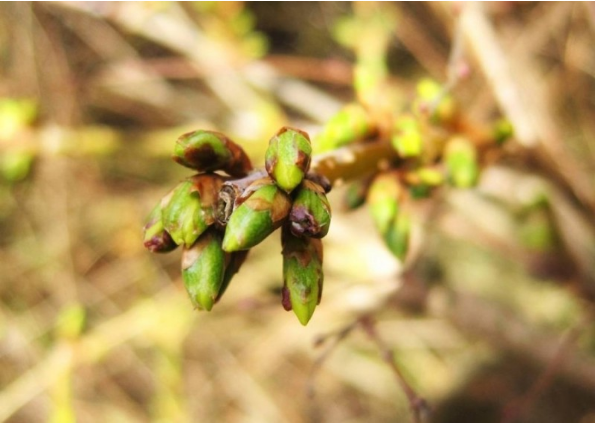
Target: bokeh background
<point>490,319</point>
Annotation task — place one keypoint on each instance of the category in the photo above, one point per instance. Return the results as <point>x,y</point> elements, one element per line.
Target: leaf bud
<point>203,267</point>
<point>189,209</point>
<point>207,151</point>
<point>288,157</point>
<point>310,214</point>
<point>303,275</point>
<point>258,211</point>
<point>155,238</point>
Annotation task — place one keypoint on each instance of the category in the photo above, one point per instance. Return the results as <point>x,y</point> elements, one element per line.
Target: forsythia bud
<point>303,275</point>
<point>385,201</point>
<point>189,209</point>
<point>350,124</point>
<point>155,238</point>
<point>502,130</point>
<point>203,266</point>
<point>383,196</point>
<point>207,151</point>
<point>407,137</point>
<point>460,159</point>
<point>258,211</point>
<point>397,237</point>
<point>310,214</point>
<point>288,157</point>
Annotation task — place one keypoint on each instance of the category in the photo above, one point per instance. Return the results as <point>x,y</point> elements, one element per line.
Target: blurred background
<point>490,318</point>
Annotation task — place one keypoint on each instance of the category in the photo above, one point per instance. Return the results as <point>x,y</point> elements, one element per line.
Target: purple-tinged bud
<point>303,275</point>
<point>207,151</point>
<point>310,214</point>
<point>155,238</point>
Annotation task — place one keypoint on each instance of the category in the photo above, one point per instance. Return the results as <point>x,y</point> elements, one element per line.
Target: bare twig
<point>418,405</point>
<point>518,408</point>
<point>337,337</point>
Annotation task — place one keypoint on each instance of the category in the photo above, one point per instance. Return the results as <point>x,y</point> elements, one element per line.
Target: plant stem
<point>353,161</point>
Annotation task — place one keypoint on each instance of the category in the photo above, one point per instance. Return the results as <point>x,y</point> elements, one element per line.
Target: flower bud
<point>303,275</point>
<point>355,194</point>
<point>407,137</point>
<point>397,236</point>
<point>156,239</point>
<point>189,209</point>
<point>461,162</point>
<point>383,199</point>
<point>258,211</point>
<point>502,131</point>
<point>350,124</point>
<point>288,157</point>
<point>203,267</point>
<point>310,214</point>
<point>422,180</point>
<point>207,151</point>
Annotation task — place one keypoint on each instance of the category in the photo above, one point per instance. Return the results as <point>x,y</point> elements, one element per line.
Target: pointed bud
<point>407,136</point>
<point>189,209</point>
<point>422,180</point>
<point>352,123</point>
<point>461,162</point>
<point>502,131</point>
<point>288,157</point>
<point>384,195</point>
<point>355,195</point>
<point>258,211</point>
<point>303,275</point>
<point>397,236</point>
<point>207,151</point>
<point>203,267</point>
<point>310,214</point>
<point>156,239</point>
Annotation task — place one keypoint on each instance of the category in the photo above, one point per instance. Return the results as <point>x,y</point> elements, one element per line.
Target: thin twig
<point>318,364</point>
<point>418,405</point>
<point>518,408</point>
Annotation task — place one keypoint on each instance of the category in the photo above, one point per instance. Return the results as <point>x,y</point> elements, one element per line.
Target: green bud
<point>350,124</point>
<point>203,267</point>
<point>258,211</point>
<point>207,151</point>
<point>156,239</point>
<point>310,214</point>
<point>407,136</point>
<point>355,195</point>
<point>422,180</point>
<point>288,157</point>
<point>502,131</point>
<point>461,162</point>
<point>433,101</point>
<point>189,209</point>
<point>397,236</point>
<point>303,275</point>
<point>383,199</point>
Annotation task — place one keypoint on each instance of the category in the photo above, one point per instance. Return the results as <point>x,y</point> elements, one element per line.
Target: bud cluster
<point>434,146</point>
<point>218,218</point>
<point>186,216</point>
